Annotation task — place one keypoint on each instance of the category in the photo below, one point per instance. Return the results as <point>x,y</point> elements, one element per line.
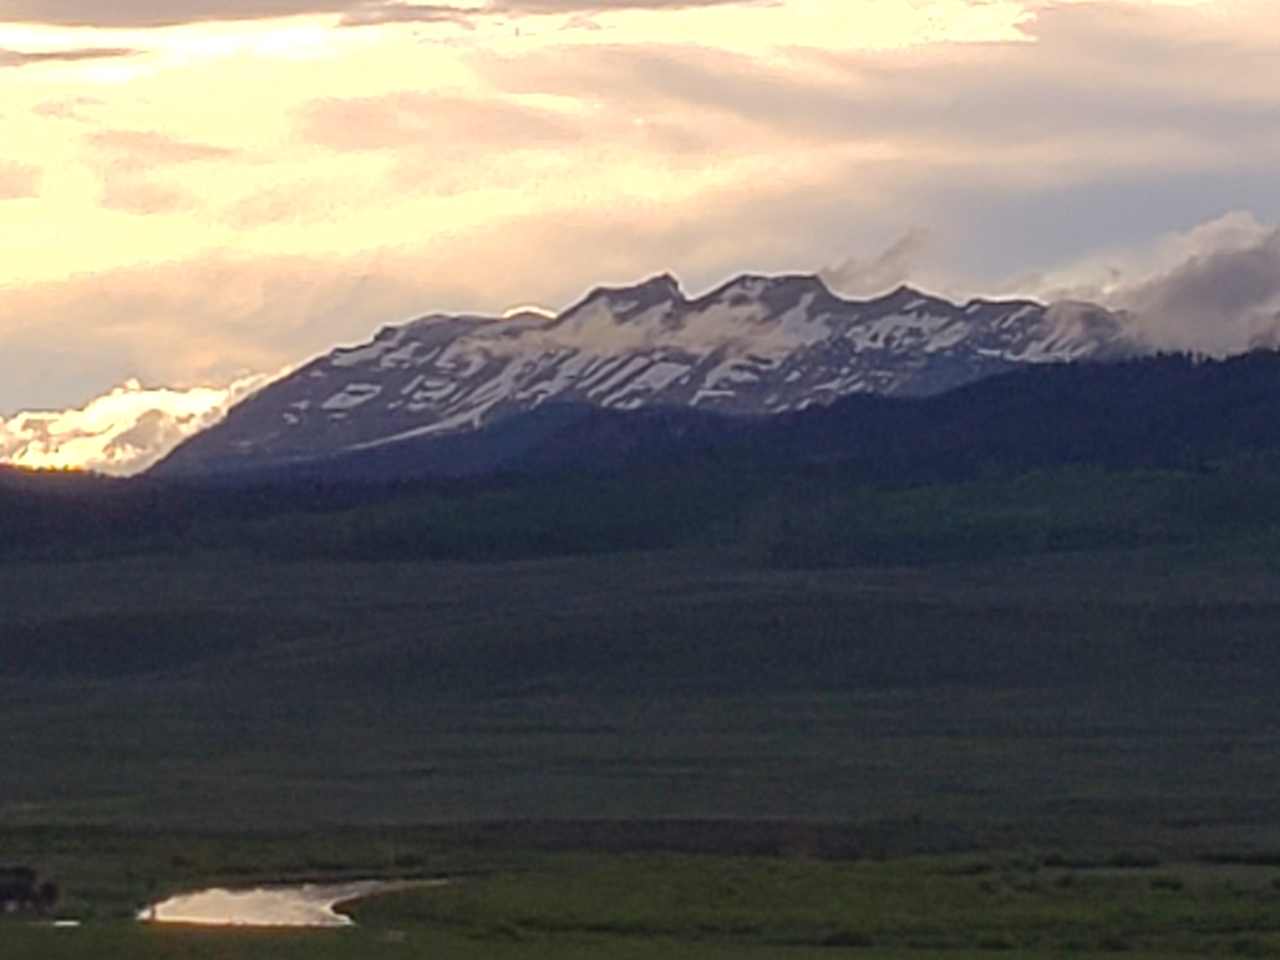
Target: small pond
<point>304,905</point>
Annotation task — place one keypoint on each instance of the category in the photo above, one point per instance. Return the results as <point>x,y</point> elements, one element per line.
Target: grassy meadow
<point>581,905</point>
<point>221,690</point>
<point>775,736</point>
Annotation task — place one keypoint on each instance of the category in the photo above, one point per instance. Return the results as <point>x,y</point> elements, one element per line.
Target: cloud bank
<point>333,180</point>
<point>1214,288</point>
<point>1223,298</point>
<point>167,13</point>
<point>26,58</point>
<point>156,13</point>
<point>121,432</point>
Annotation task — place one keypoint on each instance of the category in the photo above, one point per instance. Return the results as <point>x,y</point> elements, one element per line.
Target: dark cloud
<point>533,7</point>
<point>1011,240</point>
<point>164,13</point>
<point>599,6</point>
<point>1115,125</point>
<point>1218,300</point>
<point>1097,75</point>
<point>376,14</point>
<point>156,13</point>
<point>27,58</point>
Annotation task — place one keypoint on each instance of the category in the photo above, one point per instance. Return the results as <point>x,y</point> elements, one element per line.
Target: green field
<point>220,690</point>
<point>706,906</point>
<point>1063,748</point>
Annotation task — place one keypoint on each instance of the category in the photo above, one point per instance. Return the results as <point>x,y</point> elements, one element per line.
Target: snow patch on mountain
<point>755,345</point>
<point>352,396</point>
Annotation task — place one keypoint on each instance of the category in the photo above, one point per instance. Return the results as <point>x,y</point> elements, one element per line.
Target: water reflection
<point>308,905</point>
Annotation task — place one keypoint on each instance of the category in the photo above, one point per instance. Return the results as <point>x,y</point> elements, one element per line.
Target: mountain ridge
<point>1139,414</point>
<point>755,345</point>
<point>1160,449</point>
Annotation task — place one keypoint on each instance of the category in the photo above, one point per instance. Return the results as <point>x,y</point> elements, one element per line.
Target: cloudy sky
<point>197,191</point>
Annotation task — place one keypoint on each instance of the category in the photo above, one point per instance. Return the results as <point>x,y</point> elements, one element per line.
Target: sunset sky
<point>193,192</point>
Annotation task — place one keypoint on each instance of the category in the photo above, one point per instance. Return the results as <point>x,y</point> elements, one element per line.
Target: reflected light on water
<point>309,905</point>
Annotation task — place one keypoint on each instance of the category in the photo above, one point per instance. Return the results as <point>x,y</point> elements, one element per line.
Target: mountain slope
<point>1161,449</point>
<point>1163,412</point>
<point>757,345</point>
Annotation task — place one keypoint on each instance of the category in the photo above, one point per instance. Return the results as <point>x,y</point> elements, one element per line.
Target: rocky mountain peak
<point>629,301</point>
<point>758,344</point>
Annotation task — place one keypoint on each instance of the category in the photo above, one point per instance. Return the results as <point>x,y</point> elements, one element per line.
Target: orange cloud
<point>18,181</point>
<point>151,148</point>
<point>432,122</point>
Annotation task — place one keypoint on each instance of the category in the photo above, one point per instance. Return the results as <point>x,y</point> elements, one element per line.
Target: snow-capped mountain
<point>757,345</point>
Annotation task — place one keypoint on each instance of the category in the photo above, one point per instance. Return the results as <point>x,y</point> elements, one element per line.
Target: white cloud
<point>867,276</point>
<point>1223,298</point>
<point>121,432</point>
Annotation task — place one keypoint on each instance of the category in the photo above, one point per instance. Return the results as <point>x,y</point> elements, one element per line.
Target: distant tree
<point>47,896</point>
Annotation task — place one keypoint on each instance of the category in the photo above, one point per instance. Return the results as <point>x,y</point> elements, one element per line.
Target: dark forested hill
<point>1168,411</point>
<point>564,479</point>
